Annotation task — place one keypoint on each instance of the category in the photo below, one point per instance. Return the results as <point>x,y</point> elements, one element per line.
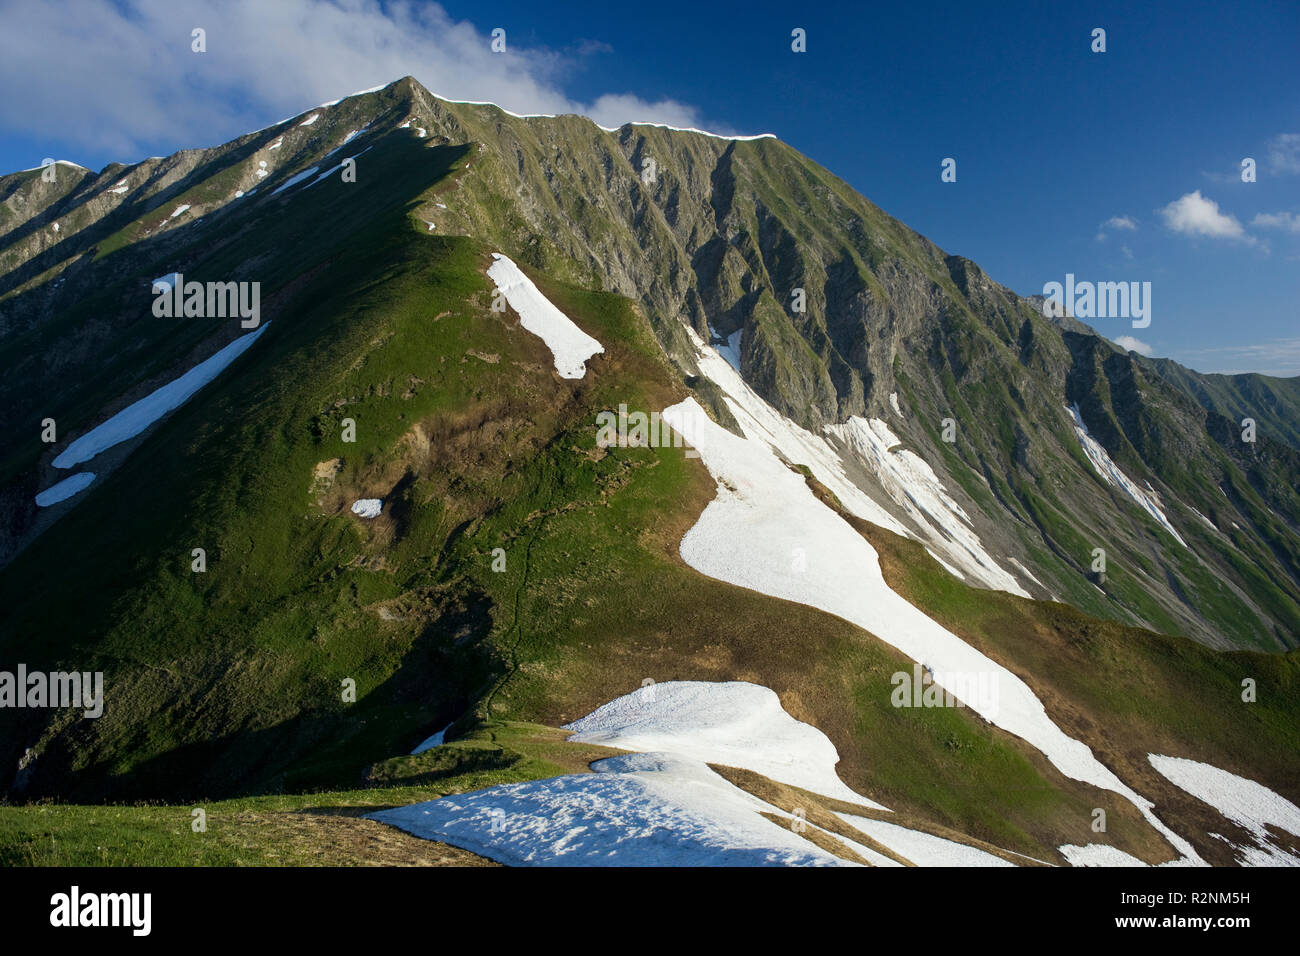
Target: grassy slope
<point>313,829</point>
<point>1125,692</point>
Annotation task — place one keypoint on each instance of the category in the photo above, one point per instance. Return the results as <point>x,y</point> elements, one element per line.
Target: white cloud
<point>1287,221</point>
<point>1130,344</point>
<point>1195,215</point>
<point>123,78</point>
<point>1284,153</point>
<point>1127,223</point>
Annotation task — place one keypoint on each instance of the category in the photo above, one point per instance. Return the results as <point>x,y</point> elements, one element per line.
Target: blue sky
<point>1115,166</point>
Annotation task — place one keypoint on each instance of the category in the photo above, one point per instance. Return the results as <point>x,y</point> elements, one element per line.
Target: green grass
<point>308,829</point>
<point>1124,691</point>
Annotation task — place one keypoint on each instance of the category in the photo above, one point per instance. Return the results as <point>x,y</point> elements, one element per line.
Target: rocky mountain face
<point>839,306</point>
<point>842,313</point>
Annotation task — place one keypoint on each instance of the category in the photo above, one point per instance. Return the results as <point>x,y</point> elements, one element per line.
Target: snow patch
<point>923,849</point>
<point>65,489</point>
<point>735,724</point>
<point>165,283</point>
<point>334,169</point>
<point>893,401</point>
<point>1102,463</point>
<point>1246,803</point>
<point>368,507</point>
<point>61,162</point>
<point>946,566</point>
<point>138,416</point>
<point>700,132</point>
<point>1026,572</point>
<point>570,346</point>
<point>373,89</point>
<point>310,119</point>
<point>731,350</point>
<point>1098,854</point>
<point>613,129</point>
<point>434,740</point>
<point>179,210</point>
<point>294,180</point>
<point>634,810</point>
<point>910,481</point>
<point>276,145</point>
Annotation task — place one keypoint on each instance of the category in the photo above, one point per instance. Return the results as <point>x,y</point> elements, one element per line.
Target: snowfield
<point>912,484</point>
<point>138,416</point>
<point>663,804</point>
<point>1105,467</point>
<point>65,489</point>
<point>903,476</point>
<point>762,423</point>
<point>764,513</point>
<point>1246,803</point>
<point>634,810</point>
<point>735,724</point>
<point>570,346</point>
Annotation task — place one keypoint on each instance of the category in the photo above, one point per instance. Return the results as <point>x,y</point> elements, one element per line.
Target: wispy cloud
<point>122,76</point>
<point>1197,215</point>
<point>1284,154</point>
<point>1287,221</point>
<point>1115,223</point>
<point>1280,357</point>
